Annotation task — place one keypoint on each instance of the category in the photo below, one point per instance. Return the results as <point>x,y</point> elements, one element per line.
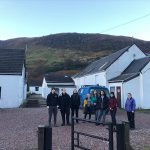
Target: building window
<point>36,88</point>
<point>0,92</point>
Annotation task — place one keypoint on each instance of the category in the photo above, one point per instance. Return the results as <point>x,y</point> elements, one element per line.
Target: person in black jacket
<point>64,104</point>
<point>101,107</point>
<point>52,103</point>
<point>75,103</point>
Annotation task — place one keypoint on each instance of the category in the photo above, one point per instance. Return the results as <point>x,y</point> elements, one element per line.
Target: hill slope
<point>68,51</point>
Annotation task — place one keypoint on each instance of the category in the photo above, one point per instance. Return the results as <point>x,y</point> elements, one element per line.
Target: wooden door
<point>118,91</point>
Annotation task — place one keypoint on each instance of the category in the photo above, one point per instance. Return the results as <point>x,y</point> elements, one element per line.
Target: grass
<point>45,60</point>
<point>143,110</point>
<point>146,148</point>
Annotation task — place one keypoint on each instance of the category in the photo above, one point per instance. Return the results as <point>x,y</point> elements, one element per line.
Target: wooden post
<point>48,138</point>
<point>40,137</point>
<point>44,138</point>
<point>72,133</point>
<point>123,140</point>
<point>111,142</point>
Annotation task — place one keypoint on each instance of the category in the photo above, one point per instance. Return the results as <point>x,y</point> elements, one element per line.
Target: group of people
<point>95,103</point>
<point>100,104</point>
<point>63,102</point>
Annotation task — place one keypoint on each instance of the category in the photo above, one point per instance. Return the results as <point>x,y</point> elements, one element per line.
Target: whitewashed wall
<point>45,89</point>
<point>146,87</point>
<point>122,94</point>
<point>69,90</point>
<point>92,79</point>
<point>123,62</point>
<point>12,91</point>
<point>133,87</point>
<point>32,89</point>
<point>23,84</point>
<point>114,70</point>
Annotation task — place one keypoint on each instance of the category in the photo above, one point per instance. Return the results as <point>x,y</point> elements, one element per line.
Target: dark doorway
<point>118,91</point>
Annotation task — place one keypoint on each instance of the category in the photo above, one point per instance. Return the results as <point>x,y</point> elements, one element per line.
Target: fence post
<point>48,138</point>
<point>72,133</point>
<point>111,146</point>
<point>123,141</point>
<point>44,138</point>
<point>40,137</point>
<point>120,137</point>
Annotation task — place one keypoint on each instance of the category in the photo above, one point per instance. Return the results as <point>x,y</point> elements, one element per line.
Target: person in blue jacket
<point>130,109</point>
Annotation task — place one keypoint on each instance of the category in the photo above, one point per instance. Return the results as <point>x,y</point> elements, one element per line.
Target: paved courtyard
<point>18,130</point>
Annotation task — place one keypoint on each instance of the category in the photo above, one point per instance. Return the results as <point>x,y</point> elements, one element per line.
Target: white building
<point>35,87</point>
<point>12,78</point>
<point>58,82</point>
<point>135,80</point>
<point>108,70</point>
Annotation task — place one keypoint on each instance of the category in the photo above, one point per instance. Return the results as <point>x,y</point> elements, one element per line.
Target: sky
<point>34,18</point>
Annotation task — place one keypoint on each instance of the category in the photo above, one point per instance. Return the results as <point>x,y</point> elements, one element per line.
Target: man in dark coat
<point>52,103</point>
<point>101,107</point>
<point>75,103</point>
<point>64,105</point>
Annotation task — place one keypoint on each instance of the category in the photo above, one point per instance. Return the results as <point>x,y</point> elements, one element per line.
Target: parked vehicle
<point>83,91</point>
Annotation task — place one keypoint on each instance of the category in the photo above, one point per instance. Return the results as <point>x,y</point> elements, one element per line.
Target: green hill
<point>69,52</point>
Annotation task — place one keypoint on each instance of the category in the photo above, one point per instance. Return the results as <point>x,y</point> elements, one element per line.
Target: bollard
<point>111,142</point>
<point>44,138</point>
<point>72,133</point>
<point>123,140</point>
<point>40,137</point>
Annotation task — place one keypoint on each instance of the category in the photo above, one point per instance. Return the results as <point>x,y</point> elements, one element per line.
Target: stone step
<point>36,101</point>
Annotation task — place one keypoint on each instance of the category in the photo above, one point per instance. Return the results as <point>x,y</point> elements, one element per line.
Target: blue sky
<point>32,18</point>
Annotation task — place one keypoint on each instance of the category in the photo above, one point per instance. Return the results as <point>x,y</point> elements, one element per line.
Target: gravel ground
<point>18,130</point>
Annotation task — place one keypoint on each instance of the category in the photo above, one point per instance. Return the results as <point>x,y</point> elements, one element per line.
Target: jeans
<point>130,116</point>
<point>101,113</point>
<point>52,110</point>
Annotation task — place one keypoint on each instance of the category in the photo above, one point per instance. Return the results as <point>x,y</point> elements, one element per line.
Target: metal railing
<point>122,135</point>
<point>73,132</point>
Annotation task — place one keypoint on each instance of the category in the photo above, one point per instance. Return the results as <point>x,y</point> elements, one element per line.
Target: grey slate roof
<point>51,78</point>
<point>11,61</point>
<point>132,71</point>
<point>35,83</point>
<point>102,64</point>
<point>137,65</point>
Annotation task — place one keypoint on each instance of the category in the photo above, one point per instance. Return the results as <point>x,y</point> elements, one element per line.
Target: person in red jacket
<point>113,107</point>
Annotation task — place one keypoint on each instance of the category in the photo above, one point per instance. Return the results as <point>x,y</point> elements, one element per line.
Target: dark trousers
<point>113,116</point>
<point>130,116</point>
<point>65,113</point>
<point>87,111</point>
<point>52,111</point>
<point>75,110</point>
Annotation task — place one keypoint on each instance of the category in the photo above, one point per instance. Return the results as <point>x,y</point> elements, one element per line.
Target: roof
<point>11,61</point>
<point>102,64</point>
<point>35,83</point>
<point>58,79</point>
<point>123,77</point>
<point>137,65</point>
<point>132,71</point>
